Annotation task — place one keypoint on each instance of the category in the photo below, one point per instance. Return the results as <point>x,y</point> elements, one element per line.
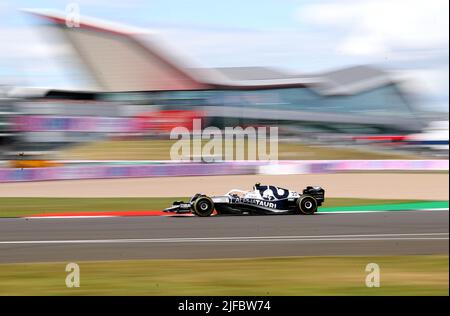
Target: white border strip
<point>368,237</point>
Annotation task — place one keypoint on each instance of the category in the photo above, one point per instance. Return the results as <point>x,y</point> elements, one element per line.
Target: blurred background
<point>88,81</point>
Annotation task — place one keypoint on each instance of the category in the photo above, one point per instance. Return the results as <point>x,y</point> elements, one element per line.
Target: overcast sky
<point>300,36</point>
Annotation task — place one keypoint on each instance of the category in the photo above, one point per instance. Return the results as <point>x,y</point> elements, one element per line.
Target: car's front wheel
<point>307,205</point>
<point>203,206</point>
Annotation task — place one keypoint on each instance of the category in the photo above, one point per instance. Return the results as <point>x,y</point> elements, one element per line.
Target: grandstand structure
<point>133,73</point>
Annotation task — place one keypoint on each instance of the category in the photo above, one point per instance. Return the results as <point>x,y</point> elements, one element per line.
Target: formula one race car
<point>262,200</point>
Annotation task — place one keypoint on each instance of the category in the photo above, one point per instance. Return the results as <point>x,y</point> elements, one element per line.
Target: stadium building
<point>132,75</point>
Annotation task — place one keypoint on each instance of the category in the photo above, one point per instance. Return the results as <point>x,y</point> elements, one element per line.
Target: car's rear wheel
<point>307,205</point>
<point>203,206</point>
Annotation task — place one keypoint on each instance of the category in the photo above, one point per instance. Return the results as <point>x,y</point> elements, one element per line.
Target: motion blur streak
<point>141,89</point>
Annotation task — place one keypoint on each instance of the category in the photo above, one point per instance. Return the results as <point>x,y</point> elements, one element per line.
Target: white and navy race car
<point>262,200</point>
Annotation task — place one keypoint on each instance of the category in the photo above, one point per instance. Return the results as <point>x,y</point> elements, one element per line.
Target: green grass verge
<point>15,207</point>
<point>400,275</point>
<point>160,150</point>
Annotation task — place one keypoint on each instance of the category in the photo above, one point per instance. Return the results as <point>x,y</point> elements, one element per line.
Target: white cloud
<point>378,26</point>
<point>23,42</point>
<point>34,56</point>
<point>411,35</point>
<point>435,81</point>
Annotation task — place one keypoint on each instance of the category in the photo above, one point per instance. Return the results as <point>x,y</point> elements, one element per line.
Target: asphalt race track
<point>381,233</point>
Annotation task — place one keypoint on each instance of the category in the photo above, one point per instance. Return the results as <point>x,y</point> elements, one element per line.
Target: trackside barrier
<point>129,169</point>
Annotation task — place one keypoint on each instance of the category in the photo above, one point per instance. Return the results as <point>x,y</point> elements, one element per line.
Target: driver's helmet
<point>256,186</point>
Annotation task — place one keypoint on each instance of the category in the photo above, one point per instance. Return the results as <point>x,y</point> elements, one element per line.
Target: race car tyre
<point>307,205</point>
<point>203,206</point>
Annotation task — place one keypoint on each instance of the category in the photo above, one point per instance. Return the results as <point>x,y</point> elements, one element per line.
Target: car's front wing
<point>179,208</point>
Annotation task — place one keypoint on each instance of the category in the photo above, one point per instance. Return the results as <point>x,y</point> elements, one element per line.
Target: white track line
<point>418,236</point>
